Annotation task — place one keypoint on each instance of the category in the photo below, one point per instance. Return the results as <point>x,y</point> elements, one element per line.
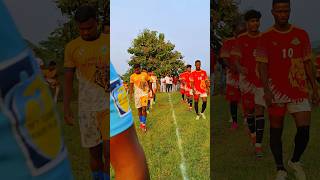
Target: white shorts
<point>141,101</point>
<point>89,128</point>
<point>295,107</point>
<point>259,97</point>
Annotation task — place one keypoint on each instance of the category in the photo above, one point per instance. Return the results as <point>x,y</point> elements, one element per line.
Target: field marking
<point>183,166</point>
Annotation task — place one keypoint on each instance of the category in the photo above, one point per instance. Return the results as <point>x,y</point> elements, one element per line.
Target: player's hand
<point>68,116</point>
<point>268,97</point>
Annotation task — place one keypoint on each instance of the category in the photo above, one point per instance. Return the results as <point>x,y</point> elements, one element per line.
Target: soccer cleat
<point>148,111</point>
<point>258,151</point>
<point>197,117</point>
<point>234,126</point>
<point>143,127</point>
<point>230,120</point>
<point>297,167</point>
<point>202,115</point>
<point>281,175</point>
<point>190,108</point>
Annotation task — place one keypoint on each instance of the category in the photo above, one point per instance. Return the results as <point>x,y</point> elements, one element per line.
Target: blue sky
<point>185,23</point>
<point>35,19</point>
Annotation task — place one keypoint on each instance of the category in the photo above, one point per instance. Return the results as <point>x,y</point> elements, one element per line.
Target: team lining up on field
<point>144,85</point>
<point>271,71</point>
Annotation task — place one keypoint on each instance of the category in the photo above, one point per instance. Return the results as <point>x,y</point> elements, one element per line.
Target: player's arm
<point>262,63</point>
<point>308,69</point>
<point>312,80</point>
<point>131,90</point>
<point>127,156</point>
<point>69,69</point>
<point>67,95</point>
<point>192,82</point>
<point>263,73</point>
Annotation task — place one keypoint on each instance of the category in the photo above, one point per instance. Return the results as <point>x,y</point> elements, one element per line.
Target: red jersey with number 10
<point>285,54</point>
<point>199,79</point>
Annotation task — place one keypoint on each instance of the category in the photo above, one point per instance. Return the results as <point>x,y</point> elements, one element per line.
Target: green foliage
<point>224,14</point>
<point>151,50</point>
<point>53,47</point>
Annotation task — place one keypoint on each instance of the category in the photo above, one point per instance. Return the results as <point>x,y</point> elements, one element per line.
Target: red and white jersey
<point>245,50</point>
<point>285,54</point>
<point>199,79</point>
<point>225,53</point>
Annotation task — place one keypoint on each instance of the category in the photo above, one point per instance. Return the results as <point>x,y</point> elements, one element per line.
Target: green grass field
<point>233,156</point>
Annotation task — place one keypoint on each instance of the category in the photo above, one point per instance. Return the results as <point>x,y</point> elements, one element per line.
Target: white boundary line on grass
<point>183,167</point>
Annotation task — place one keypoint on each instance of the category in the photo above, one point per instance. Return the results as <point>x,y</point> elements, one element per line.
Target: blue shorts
<point>120,112</point>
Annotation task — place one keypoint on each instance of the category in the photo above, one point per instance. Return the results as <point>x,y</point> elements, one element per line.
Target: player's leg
<point>57,90</point>
<point>204,106</point>
<point>96,162</point>
<point>144,115</point>
<point>127,156</point>
<point>260,123</point>
<point>301,113</point>
<point>105,133</point>
<point>233,107</point>
<point>196,105</point>
<point>276,117</point>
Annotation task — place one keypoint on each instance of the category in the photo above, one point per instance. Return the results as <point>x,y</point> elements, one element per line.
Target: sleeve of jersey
<point>206,76</point>
<point>307,51</point>
<point>68,58</point>
<point>120,111</point>
<point>261,54</point>
<point>236,50</point>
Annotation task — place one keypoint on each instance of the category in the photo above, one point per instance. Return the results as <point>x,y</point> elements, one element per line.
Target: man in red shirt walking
<point>249,82</point>
<point>199,83</point>
<point>283,57</point>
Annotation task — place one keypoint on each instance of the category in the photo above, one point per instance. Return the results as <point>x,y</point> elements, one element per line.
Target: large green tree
<point>150,49</point>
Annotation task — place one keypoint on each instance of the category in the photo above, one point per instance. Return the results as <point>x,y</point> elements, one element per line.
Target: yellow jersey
<point>90,60</point>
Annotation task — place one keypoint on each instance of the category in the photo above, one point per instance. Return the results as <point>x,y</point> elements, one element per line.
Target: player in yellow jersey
<point>140,85</point>
<point>87,56</point>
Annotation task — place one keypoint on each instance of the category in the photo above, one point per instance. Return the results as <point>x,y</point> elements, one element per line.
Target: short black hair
<point>252,14</point>
<point>189,66</point>
<point>136,66</point>
<point>197,61</point>
<point>84,13</point>
<point>280,1</point>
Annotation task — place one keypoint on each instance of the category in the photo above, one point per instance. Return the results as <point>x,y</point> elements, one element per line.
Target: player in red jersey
<point>283,56</point>
<point>199,84</point>
<point>232,89</point>
<point>182,85</point>
<point>249,82</point>
<point>188,88</point>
